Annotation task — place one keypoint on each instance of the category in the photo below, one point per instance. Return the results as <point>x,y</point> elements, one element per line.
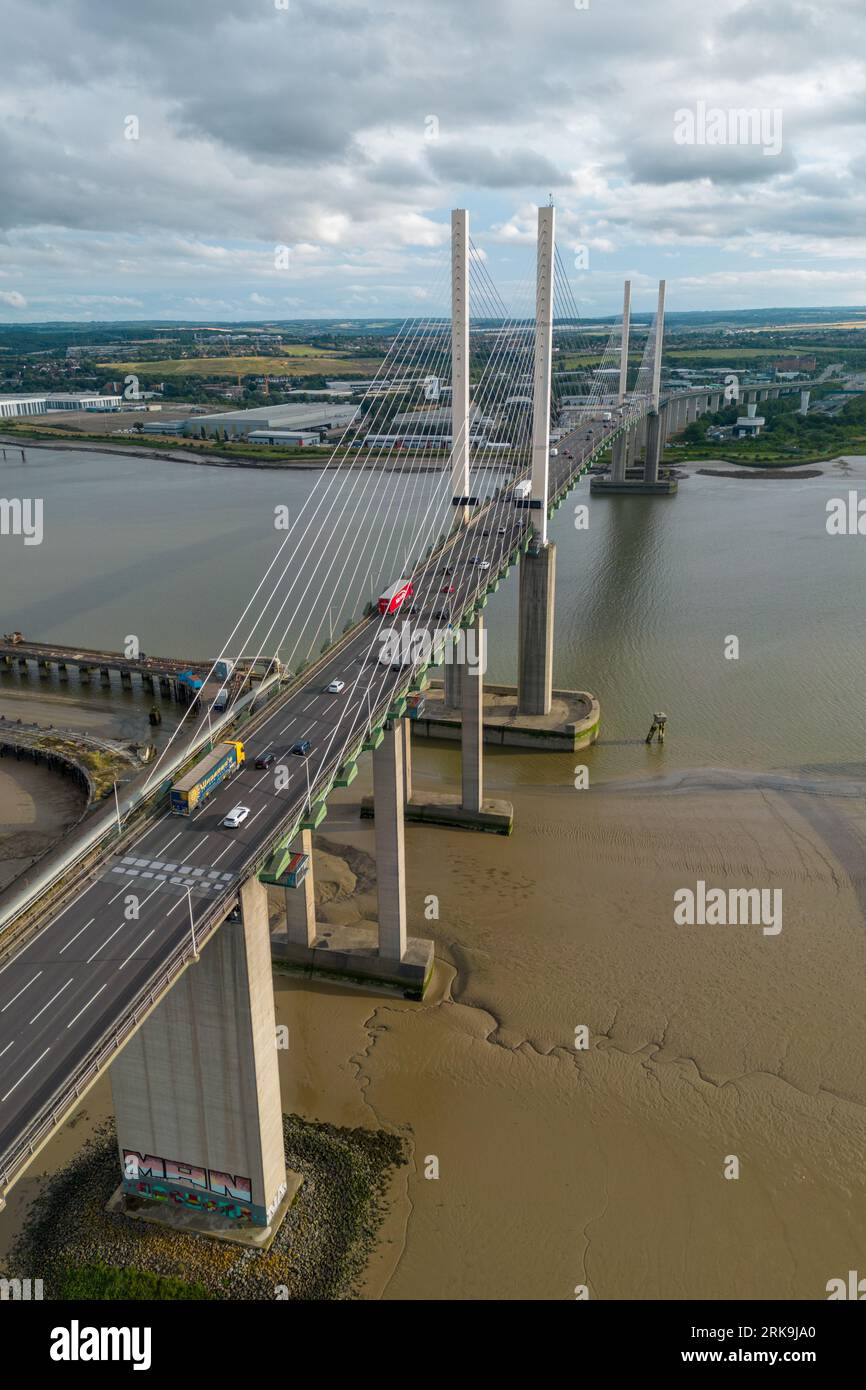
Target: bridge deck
<point>85,979</point>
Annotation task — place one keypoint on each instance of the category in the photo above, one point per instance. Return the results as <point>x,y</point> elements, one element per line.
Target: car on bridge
<point>335,687</point>
<point>449,589</point>
<point>480,561</point>
<point>265,759</point>
<point>301,748</point>
<point>235,817</point>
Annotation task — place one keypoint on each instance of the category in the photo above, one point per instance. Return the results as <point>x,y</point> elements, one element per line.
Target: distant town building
<point>10,406</point>
<point>302,438</point>
<point>295,418</point>
<point>748,426</point>
<point>796,364</point>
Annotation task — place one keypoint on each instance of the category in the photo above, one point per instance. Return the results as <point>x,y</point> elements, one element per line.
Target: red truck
<point>392,598</point>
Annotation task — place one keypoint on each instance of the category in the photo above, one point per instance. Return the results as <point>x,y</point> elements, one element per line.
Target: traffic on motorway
<point>65,991</point>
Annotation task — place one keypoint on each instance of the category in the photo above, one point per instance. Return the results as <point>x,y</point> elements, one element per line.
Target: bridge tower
<point>538,563</point>
<point>655,429</point>
<point>649,430</point>
<point>620,444</point>
<point>460,365</point>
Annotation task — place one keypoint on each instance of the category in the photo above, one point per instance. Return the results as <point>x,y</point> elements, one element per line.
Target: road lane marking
<point>81,1011</point>
<point>6,1048</point>
<point>222,856</point>
<point>161,852</point>
<point>25,1076</point>
<point>125,921</point>
<point>51,1000</point>
<point>132,953</point>
<point>105,942</point>
<point>20,992</point>
<point>78,933</point>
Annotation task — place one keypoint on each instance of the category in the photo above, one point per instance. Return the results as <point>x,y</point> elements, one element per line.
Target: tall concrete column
<point>196,1090</point>
<point>460,360</point>
<point>301,901</point>
<point>542,372</point>
<point>655,435</point>
<point>716,402</point>
<point>407,759</point>
<point>453,680</point>
<point>538,563</point>
<point>617,471</point>
<point>623,350</point>
<point>805,397</point>
<point>691,409</point>
<point>535,633</point>
<point>390,842</point>
<point>631,446</point>
<point>472,726</point>
<point>657,347</point>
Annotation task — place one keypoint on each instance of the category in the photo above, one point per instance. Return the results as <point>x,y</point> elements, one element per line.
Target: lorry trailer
<point>390,601</point>
<point>197,784</point>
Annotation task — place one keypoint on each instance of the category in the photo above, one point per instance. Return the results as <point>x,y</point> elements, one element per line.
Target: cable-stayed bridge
<point>154,958</point>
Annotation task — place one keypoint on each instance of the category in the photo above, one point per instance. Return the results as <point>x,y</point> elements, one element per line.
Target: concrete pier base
<point>662,487</point>
<point>446,808</point>
<point>197,1092</point>
<point>350,954</point>
<point>572,723</point>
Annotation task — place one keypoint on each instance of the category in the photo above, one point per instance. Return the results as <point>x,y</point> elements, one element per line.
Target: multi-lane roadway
<point>74,984</point>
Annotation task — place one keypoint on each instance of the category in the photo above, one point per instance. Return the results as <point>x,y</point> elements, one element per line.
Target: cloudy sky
<point>347,131</point>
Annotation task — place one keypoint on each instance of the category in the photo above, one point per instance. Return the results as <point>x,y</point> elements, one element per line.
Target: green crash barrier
<point>316,816</point>
<point>275,864</point>
<point>398,709</point>
<point>346,775</point>
<point>373,741</point>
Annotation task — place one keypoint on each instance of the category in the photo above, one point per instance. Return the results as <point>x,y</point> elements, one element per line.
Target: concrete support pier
<point>535,629</point>
<point>390,842</point>
<point>619,449</point>
<point>197,1093</point>
<point>454,683</point>
<point>654,443</point>
<point>472,730</point>
<point>406,727</point>
<point>301,901</point>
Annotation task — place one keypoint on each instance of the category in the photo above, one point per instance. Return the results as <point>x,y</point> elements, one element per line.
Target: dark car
<point>302,747</point>
<point>442,613</point>
<point>266,759</point>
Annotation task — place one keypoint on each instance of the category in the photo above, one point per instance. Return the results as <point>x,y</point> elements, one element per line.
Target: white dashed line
<point>81,1011</point>
<point>24,1077</point>
<point>51,1000</point>
<point>20,992</point>
<point>132,953</point>
<point>83,929</point>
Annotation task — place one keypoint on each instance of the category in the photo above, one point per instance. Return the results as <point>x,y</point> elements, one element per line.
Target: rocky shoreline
<point>321,1251</point>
